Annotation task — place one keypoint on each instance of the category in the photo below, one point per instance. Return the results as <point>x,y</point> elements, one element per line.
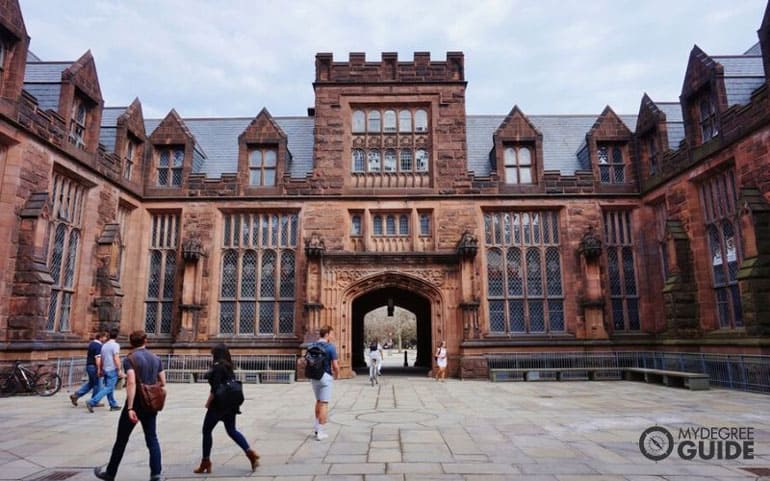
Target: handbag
<point>152,397</point>
<point>229,394</point>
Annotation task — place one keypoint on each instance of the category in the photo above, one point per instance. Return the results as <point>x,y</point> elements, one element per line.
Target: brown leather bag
<point>151,396</point>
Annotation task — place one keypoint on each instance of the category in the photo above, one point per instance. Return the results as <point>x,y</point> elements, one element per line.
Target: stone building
<point>501,233</point>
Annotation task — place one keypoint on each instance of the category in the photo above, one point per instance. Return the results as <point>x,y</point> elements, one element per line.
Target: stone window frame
<point>172,171</point>
<point>517,239</point>
<point>512,163</point>
<point>162,267</point>
<point>258,237</point>
<point>391,224</point>
<point>719,206</point>
<point>611,158</point>
<point>425,222</point>
<point>263,167</point>
<point>356,225</point>
<point>708,115</point>
<point>63,247</point>
<point>79,121</point>
<point>133,146</point>
<point>362,119</point>
<point>650,142</point>
<point>622,272</point>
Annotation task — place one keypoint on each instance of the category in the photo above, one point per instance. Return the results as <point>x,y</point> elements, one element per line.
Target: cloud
<point>230,58</point>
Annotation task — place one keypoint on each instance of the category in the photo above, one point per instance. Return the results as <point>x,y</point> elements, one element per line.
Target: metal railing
<point>271,368</point>
<point>741,372</point>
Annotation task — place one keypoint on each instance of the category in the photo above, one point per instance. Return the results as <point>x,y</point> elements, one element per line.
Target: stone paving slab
<point>404,429</point>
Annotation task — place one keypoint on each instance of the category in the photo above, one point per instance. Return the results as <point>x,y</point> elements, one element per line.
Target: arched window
<point>374,161</point>
<point>403,225</point>
<point>406,160</point>
<point>355,225</point>
<point>389,163</point>
<point>390,225</point>
<point>359,122</point>
<point>421,121</point>
<point>377,225</point>
<point>374,122</point>
<point>405,121</point>
<point>421,160</point>
<point>389,121</point>
<point>359,160</point>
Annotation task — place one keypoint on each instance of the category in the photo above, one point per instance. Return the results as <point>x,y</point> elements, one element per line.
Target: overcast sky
<point>225,58</point>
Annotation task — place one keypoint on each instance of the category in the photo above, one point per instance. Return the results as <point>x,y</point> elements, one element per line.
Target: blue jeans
<point>125,427</point>
<point>93,383</point>
<point>110,380</point>
<point>228,419</point>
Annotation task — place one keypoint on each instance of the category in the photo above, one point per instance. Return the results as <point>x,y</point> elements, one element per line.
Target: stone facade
<point>157,243</point>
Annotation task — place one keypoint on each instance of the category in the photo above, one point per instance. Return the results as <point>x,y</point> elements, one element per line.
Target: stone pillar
<point>467,248</point>
<point>314,251</point>
<point>108,296</point>
<point>192,251</point>
<point>754,273</point>
<point>590,251</point>
<point>680,293</point>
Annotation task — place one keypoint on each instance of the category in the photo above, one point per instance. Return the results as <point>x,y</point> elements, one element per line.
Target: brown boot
<point>253,458</point>
<point>205,466</point>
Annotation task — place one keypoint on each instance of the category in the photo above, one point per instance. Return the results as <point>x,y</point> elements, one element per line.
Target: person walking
<point>322,388</point>
<point>221,371</point>
<point>147,368</point>
<point>112,370</point>
<point>441,362</point>
<point>375,361</point>
<point>93,368</point>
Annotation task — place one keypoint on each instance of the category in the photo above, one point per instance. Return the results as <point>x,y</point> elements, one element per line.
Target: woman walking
<point>441,362</point>
<point>221,371</point>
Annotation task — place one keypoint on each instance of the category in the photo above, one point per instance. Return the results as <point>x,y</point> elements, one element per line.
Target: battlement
<point>389,69</point>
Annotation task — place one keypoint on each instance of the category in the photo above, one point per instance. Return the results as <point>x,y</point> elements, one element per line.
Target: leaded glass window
<point>421,159</point>
<point>390,225</point>
<point>377,225</point>
<point>78,122</point>
<point>425,224</point>
<point>612,166</point>
<point>66,204</point>
<point>708,117</point>
<point>170,161</point>
<point>389,162</point>
<point>374,160</point>
<point>719,203</point>
<point>374,122</point>
<point>355,225</point>
<point>405,121</point>
<point>359,160</point>
<point>161,282</point>
<point>262,165</point>
<point>129,159</point>
<point>621,271</point>
<point>524,274</point>
<point>359,121</point>
<point>389,121</point>
<point>421,121</point>
<point>257,295</point>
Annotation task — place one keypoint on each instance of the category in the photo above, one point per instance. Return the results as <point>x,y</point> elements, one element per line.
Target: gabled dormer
<point>518,151</point>
<point>14,43</point>
<point>651,136</point>
<point>80,103</point>
<point>130,141</point>
<point>609,150</point>
<point>263,155</point>
<point>173,149</point>
<point>703,97</point>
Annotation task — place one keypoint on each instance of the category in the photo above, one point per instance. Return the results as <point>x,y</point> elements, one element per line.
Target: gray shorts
<point>323,388</point>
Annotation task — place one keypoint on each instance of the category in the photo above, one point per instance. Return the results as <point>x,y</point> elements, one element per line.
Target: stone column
<point>680,294</point>
<point>314,251</point>
<point>192,251</point>
<point>467,248</point>
<point>754,274</point>
<point>593,298</point>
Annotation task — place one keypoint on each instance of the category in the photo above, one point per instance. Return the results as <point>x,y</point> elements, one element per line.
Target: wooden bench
<point>555,374</point>
<point>691,380</point>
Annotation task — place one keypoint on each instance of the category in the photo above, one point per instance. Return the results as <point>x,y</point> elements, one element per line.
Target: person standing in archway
<point>441,361</point>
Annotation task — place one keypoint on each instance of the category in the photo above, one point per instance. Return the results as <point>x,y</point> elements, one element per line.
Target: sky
<point>231,58</point>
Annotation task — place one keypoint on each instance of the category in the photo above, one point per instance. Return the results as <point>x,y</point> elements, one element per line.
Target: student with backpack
<point>375,361</point>
<point>322,367</point>
<point>221,405</point>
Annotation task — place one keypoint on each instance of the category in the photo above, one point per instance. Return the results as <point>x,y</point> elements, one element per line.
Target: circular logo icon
<point>656,443</point>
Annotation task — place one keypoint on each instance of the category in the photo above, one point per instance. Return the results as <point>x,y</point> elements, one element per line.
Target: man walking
<point>112,371</point>
<point>147,369</point>
<point>322,388</point>
<point>93,368</point>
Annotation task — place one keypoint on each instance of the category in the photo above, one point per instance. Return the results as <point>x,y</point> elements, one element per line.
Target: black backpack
<point>315,359</point>
<point>229,395</point>
<point>373,346</point>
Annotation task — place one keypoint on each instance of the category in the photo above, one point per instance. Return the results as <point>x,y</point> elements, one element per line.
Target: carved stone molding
<point>590,244</point>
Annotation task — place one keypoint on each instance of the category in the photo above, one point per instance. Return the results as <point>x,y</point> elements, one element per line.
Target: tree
<point>401,328</point>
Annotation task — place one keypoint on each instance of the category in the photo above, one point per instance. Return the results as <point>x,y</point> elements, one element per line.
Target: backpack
<point>373,346</point>
<point>315,359</point>
<point>229,395</point>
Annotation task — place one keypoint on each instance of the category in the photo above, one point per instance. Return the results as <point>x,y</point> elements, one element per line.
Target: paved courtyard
<point>405,429</point>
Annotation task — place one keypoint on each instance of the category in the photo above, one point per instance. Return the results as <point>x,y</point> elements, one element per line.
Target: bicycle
<point>23,378</point>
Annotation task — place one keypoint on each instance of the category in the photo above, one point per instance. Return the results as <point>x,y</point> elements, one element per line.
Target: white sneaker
<point>320,435</point>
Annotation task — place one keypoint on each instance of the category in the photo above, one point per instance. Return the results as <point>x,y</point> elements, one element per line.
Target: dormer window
<point>652,152</point>
<point>170,160</point>
<point>518,165</point>
<point>129,159</point>
<point>262,165</point>
<point>612,167</point>
<point>708,118</point>
<point>78,123</point>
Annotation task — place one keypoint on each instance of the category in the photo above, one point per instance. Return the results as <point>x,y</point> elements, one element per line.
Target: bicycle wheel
<point>8,384</point>
<point>47,384</point>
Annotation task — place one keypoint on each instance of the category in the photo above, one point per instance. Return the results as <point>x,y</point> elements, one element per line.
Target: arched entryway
<point>398,297</point>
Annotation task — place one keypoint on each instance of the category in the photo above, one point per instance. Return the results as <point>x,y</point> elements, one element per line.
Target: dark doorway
<point>411,301</point>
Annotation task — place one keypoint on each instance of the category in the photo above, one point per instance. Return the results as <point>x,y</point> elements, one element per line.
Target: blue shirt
<point>94,350</point>
<point>331,355</point>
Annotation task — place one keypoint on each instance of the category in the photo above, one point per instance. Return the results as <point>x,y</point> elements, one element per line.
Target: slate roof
<point>755,49</point>
<point>43,80</point>
<point>218,138</point>
<point>563,136</point>
<point>31,57</point>
<point>674,122</point>
<point>743,75</point>
<point>108,130</point>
